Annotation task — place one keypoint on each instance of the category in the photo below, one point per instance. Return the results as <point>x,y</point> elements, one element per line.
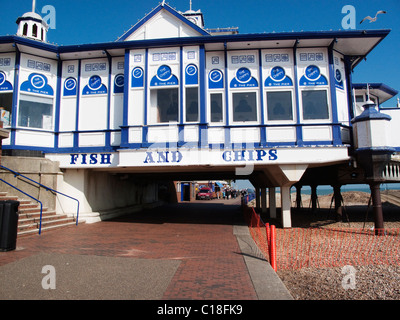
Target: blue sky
<point>91,21</point>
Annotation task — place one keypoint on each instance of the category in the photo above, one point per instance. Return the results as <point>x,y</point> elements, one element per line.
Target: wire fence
<point>321,247</point>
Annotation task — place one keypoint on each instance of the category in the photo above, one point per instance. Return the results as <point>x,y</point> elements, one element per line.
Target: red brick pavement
<point>200,235</point>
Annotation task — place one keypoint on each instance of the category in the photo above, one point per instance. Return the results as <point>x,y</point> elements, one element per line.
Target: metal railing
<point>41,205</point>
<point>43,186</point>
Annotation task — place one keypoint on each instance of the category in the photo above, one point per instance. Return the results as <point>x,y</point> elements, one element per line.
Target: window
<point>359,98</point>
<point>216,107</point>
<point>245,106</point>
<point>315,105</point>
<point>164,105</point>
<point>25,30</point>
<point>6,107</point>
<point>34,30</point>
<point>279,105</point>
<point>192,104</point>
<point>35,112</point>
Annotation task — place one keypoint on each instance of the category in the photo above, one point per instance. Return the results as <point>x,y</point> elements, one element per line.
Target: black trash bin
<point>8,224</point>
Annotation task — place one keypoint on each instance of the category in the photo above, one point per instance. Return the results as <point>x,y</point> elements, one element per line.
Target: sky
<point>94,21</point>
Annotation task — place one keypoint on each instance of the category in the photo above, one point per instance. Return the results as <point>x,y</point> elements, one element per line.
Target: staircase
<point>29,217</point>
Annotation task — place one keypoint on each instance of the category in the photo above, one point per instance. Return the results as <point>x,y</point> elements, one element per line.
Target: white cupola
<point>31,25</point>
<point>195,17</point>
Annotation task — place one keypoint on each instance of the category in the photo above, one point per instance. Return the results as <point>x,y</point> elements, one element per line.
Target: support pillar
<point>377,207</point>
<point>298,197</point>
<point>272,202</point>
<point>258,199</point>
<point>338,202</point>
<point>263,200</point>
<point>314,198</point>
<point>285,207</point>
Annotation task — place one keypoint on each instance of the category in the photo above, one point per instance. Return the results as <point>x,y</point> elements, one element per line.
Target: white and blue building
<point>170,97</point>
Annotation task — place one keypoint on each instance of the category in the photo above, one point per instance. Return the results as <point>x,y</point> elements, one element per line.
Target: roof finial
<point>190,5</point>
<point>33,5</point>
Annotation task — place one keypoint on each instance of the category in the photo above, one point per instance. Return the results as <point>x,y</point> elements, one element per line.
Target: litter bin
<point>8,224</point>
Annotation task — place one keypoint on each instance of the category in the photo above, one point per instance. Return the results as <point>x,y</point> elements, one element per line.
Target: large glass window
<point>216,107</point>
<point>244,106</point>
<point>165,105</point>
<point>35,112</point>
<point>192,104</point>
<point>315,105</point>
<point>279,105</point>
<point>6,107</point>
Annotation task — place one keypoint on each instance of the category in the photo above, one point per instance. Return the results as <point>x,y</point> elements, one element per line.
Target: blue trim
<point>124,127</point>
<point>15,97</point>
<point>263,130</point>
<point>299,129</point>
<point>109,92</point>
<point>146,88</point>
<point>203,132</point>
<point>78,98</point>
<point>58,104</point>
<point>181,128</point>
<point>337,139</point>
<point>153,13</point>
<point>227,130</point>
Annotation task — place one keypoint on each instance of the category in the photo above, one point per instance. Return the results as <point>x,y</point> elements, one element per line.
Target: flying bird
<point>374,18</point>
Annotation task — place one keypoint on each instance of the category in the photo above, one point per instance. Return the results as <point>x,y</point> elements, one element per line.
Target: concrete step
<point>48,227</point>
<point>29,217</point>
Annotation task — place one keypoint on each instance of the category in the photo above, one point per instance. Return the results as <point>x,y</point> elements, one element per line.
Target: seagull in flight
<point>374,18</point>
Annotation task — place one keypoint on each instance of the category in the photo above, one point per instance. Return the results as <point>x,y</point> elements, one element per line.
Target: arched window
<point>25,30</point>
<point>34,30</point>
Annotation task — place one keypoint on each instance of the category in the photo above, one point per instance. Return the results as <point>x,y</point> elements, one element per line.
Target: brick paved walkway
<point>199,236</point>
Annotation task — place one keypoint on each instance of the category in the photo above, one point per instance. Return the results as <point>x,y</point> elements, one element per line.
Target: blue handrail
<point>42,185</point>
<point>41,205</point>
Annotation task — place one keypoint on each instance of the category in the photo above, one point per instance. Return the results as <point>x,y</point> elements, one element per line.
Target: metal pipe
<point>377,207</point>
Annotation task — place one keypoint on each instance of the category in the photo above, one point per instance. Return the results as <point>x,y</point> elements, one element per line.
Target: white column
<point>272,202</point>
<point>285,205</point>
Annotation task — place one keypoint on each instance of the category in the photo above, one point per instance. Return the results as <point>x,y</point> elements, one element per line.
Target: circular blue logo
<point>164,73</point>
<point>2,77</point>
<point>38,81</point>
<point>137,72</point>
<point>191,70</point>
<point>278,74</point>
<point>70,84</point>
<point>94,82</point>
<point>215,75</point>
<point>119,80</point>
<point>312,73</point>
<point>338,75</point>
<point>243,75</point>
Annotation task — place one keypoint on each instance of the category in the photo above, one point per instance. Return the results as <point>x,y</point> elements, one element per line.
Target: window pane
<point>315,104</point>
<point>35,112</point>
<point>279,105</point>
<point>216,107</point>
<point>192,104</point>
<point>244,106</point>
<point>167,105</point>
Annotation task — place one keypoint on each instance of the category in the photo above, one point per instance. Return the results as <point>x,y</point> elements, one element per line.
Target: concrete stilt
<point>314,198</point>
<point>377,207</point>
<point>285,207</point>
<point>272,202</point>
<point>298,197</point>
<point>263,200</point>
<point>258,199</point>
<point>338,202</point>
